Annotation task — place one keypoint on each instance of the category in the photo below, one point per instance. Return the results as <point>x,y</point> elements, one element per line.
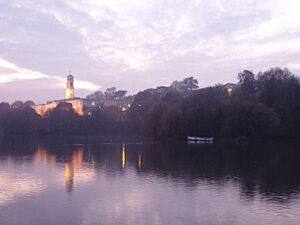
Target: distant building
<point>78,105</point>
<point>81,106</point>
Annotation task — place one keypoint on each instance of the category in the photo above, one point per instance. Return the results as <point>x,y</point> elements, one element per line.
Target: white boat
<point>200,139</point>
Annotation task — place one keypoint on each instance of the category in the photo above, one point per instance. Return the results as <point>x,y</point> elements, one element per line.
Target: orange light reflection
<point>140,162</point>
<point>123,156</point>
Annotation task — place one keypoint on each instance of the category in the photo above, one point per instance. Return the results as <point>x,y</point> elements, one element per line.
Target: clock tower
<point>70,87</point>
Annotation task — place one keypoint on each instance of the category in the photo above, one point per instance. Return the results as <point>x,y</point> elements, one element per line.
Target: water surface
<point>88,183</point>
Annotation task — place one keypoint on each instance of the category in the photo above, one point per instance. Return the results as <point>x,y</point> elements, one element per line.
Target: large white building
<point>81,106</point>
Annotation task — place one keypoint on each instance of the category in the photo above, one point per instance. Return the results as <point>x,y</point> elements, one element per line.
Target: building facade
<point>79,104</point>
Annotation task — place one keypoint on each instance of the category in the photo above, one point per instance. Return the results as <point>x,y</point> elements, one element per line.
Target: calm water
<point>59,183</point>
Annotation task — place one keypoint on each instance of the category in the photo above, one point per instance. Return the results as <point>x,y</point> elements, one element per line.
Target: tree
<point>279,89</point>
<point>62,120</point>
<point>105,121</point>
<point>98,95</point>
<point>247,82</point>
<point>17,104</point>
<point>186,85</point>
<point>203,115</point>
<point>18,119</point>
<point>29,103</point>
<point>190,83</point>
<point>171,121</point>
<point>109,93</point>
<point>249,119</point>
<point>163,120</point>
<point>172,96</point>
<point>120,94</point>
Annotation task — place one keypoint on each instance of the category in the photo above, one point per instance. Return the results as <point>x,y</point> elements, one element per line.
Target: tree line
<point>262,105</point>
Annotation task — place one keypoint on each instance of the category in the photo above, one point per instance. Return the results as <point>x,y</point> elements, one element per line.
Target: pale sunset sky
<point>138,44</point>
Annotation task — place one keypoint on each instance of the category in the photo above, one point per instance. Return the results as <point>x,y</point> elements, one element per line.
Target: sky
<point>138,44</point>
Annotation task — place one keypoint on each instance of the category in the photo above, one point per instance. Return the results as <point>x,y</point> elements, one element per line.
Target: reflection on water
<point>14,186</point>
<point>75,161</point>
<point>257,183</point>
<point>42,156</point>
<point>69,169</point>
<point>123,156</point>
<point>139,162</point>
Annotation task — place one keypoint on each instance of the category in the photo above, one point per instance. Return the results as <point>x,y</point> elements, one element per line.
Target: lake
<point>84,182</point>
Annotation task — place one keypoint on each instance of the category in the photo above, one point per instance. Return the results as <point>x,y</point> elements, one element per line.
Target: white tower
<point>70,87</point>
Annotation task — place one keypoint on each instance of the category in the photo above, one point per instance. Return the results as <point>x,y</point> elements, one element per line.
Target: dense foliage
<point>262,105</point>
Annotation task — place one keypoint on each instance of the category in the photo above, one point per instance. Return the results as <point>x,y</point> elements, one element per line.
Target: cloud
<point>136,44</point>
<point>10,72</point>
<point>220,6</point>
<point>284,20</point>
<point>79,84</point>
<point>294,66</point>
